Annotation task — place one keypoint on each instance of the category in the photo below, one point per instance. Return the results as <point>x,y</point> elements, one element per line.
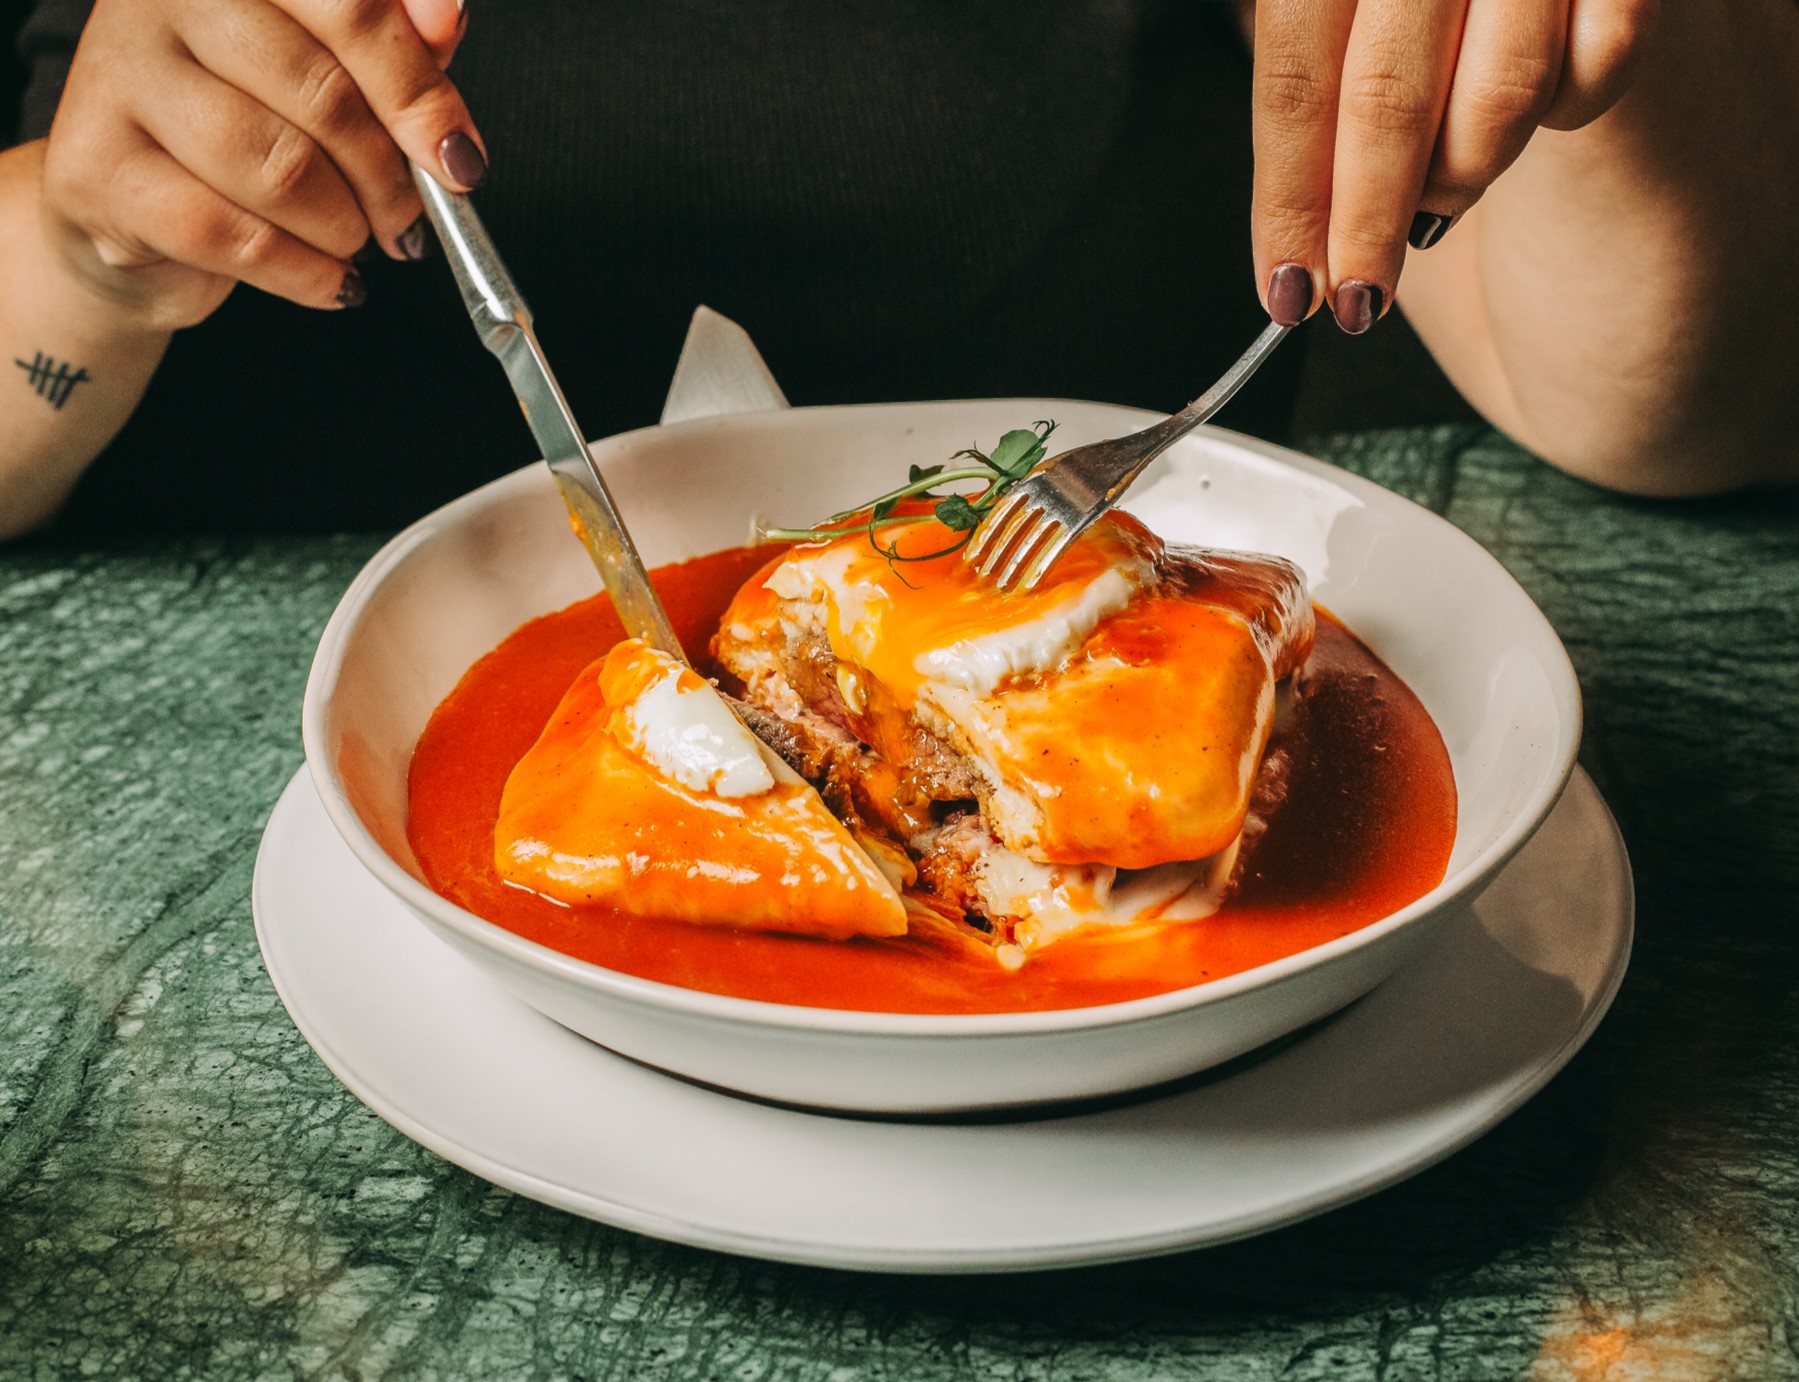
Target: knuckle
<point>1514,92</point>
<point>425,97</point>
<point>243,241</point>
<point>1293,95</point>
<point>329,97</point>
<point>1290,219</point>
<point>1389,102</point>
<point>1367,239</point>
<point>408,87</point>
<point>288,165</point>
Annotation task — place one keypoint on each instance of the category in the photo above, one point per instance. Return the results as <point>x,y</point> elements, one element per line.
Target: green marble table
<point>186,1192</point>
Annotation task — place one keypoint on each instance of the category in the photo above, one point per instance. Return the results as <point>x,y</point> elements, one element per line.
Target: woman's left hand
<point>1379,122</point>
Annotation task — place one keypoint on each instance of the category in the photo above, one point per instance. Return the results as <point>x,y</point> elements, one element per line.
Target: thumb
<point>439,23</point>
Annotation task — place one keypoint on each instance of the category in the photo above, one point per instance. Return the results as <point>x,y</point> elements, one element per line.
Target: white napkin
<point>720,371</point>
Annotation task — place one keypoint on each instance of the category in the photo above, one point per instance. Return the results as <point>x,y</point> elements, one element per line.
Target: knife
<point>504,323</point>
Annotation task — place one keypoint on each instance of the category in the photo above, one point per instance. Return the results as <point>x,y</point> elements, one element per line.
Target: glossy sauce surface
<point>1366,827</point>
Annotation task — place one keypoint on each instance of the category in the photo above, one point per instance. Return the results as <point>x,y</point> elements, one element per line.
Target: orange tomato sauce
<point>1366,827</point>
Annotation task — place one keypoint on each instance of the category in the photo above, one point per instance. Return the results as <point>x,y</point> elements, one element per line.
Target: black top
<point>910,199</point>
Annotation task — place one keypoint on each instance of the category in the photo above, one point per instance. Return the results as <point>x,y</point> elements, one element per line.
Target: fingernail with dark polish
<point>415,241</point>
<point>461,159</point>
<point>1358,306</point>
<point>1427,228</point>
<point>1289,294</point>
<point>352,292</point>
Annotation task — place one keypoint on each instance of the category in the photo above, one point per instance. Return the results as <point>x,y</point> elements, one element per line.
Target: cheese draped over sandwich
<point>647,794</point>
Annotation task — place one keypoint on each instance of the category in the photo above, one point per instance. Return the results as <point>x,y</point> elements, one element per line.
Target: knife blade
<point>505,325</point>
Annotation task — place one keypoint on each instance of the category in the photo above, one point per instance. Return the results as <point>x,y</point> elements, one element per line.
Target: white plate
<point>1430,1060</point>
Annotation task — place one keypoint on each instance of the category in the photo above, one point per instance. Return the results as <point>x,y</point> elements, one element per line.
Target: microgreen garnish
<point>1011,459</point>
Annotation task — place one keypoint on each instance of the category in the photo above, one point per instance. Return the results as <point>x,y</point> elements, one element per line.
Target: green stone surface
<point>186,1192</point>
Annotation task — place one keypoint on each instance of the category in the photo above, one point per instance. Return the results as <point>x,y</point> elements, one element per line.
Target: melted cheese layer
<point>936,621</point>
<point>980,663</point>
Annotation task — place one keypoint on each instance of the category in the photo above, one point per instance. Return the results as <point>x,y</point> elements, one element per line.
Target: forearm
<point>73,364</point>
<point>1622,300</point>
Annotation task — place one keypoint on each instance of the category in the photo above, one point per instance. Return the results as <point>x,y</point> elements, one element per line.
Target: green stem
<point>822,532</point>
<point>916,487</point>
<point>995,480</point>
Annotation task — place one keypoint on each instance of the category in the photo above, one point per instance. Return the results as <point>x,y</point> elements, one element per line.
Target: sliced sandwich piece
<point>645,793</point>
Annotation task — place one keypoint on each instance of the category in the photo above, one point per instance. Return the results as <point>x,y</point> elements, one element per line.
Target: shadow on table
<point>1511,1187</point>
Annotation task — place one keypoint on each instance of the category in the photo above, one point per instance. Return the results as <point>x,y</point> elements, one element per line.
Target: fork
<point>1033,526</point>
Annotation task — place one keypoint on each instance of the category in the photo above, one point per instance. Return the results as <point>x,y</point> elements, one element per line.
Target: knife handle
<point>493,300</point>
<point>504,323</point>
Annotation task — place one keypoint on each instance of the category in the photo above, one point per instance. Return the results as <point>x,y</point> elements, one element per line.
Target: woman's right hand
<point>202,143</point>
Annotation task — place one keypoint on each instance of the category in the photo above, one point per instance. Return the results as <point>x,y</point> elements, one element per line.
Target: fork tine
<point>1046,557</point>
<point>1043,530</point>
<point>1018,522</point>
<point>1030,529</point>
<point>989,528</point>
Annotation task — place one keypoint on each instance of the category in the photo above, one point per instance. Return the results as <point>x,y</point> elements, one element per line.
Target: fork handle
<point>1158,438</point>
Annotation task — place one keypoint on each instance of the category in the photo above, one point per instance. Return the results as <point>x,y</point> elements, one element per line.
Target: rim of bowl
<point>726,1008</point>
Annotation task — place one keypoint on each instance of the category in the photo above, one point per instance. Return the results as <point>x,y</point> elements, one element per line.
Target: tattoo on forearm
<point>54,382</point>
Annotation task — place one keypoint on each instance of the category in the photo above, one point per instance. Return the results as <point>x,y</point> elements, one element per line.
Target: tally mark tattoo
<point>53,382</point>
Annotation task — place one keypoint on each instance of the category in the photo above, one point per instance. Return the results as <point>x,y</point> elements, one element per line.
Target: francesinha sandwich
<point>1081,754</point>
<point>930,756</point>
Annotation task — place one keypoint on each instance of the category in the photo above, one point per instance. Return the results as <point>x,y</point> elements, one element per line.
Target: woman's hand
<point>201,143</point>
<point>1379,122</point>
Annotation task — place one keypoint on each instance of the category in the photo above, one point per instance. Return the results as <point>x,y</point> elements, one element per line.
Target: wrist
<point>83,356</point>
<point>119,302</point>
<point>60,273</point>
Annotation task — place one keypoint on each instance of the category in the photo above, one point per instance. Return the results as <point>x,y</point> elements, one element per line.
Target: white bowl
<point>1442,613</point>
